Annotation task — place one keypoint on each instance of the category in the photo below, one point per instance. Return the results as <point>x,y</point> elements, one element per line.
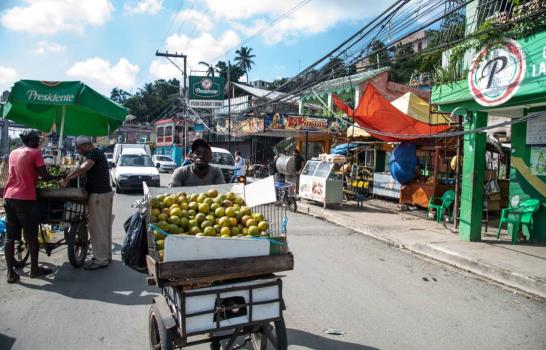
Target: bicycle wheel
<point>77,239</point>
<point>272,336</point>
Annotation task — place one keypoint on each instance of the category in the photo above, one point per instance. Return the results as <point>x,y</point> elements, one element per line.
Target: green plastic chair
<point>519,216</point>
<point>446,200</point>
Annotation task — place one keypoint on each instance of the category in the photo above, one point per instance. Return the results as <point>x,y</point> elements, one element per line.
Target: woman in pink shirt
<point>26,165</point>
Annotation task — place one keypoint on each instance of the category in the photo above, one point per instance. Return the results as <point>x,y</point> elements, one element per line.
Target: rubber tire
<point>280,335</point>
<point>157,333</point>
<point>77,242</point>
<point>118,190</point>
<point>292,205</point>
<point>24,255</point>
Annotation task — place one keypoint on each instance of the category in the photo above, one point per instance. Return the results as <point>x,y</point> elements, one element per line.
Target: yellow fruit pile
<point>205,214</point>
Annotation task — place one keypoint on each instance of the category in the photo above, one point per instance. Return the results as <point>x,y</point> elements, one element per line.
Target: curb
<point>527,284</point>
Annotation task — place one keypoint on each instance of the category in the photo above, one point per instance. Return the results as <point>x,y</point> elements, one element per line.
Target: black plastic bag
<point>135,245</point>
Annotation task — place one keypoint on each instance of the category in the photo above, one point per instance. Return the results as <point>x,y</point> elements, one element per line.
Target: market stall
<point>217,281</point>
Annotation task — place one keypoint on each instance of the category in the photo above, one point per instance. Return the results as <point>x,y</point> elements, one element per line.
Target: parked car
<point>164,163</point>
<point>133,168</point>
<point>222,159</point>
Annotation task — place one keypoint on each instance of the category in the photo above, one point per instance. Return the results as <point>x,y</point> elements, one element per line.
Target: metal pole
<point>306,145</point>
<point>185,110</point>
<point>457,176</point>
<point>229,105</point>
<point>63,112</point>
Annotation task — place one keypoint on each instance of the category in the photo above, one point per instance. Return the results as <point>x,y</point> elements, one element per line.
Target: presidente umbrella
<point>72,105</point>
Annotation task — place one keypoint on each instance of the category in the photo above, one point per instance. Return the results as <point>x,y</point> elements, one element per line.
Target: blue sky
<point>111,43</point>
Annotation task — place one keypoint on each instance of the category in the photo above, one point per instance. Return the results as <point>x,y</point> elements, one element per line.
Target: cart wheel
<point>77,239</point>
<point>160,337</point>
<point>271,338</point>
<point>292,205</point>
<point>21,254</point>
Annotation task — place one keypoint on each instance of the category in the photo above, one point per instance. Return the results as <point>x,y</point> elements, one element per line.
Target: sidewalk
<point>520,266</point>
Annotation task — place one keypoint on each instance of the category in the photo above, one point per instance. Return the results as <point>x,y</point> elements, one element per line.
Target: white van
<point>222,159</point>
<point>134,166</point>
<point>120,147</point>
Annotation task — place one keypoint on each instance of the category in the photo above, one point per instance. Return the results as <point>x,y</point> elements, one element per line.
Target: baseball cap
<point>82,140</point>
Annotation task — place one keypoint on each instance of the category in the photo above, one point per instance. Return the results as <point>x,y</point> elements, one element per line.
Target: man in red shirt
<point>26,165</point>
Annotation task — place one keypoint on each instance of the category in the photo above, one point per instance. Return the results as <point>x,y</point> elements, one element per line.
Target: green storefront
<point>507,79</point>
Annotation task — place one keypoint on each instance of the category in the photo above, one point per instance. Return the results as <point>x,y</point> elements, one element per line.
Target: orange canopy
<point>376,113</point>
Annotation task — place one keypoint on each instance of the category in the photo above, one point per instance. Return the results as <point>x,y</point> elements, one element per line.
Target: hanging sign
<point>496,73</point>
<point>206,92</point>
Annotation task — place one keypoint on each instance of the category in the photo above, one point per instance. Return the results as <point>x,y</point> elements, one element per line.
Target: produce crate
<point>205,272</point>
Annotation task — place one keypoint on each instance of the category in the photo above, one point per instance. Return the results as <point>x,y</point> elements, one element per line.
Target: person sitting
<point>200,173</point>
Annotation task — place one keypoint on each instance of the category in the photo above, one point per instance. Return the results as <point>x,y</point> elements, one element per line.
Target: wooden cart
<point>229,303</point>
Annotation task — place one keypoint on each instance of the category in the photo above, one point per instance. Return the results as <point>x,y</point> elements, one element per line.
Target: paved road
<point>381,297</point>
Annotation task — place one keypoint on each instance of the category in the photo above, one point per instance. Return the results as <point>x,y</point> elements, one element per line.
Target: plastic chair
<point>519,216</point>
<point>446,200</point>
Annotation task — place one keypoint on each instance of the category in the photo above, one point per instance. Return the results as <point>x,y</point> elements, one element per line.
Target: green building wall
<point>521,187</point>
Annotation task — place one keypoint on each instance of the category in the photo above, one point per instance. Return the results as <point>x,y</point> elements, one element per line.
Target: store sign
<point>496,73</point>
<point>206,92</point>
<point>288,122</point>
<point>206,104</point>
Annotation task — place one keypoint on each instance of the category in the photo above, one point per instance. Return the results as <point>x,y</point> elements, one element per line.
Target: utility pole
<point>229,104</point>
<point>184,92</point>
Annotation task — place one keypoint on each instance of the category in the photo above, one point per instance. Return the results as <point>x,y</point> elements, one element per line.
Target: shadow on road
<point>6,342</point>
<point>116,284</point>
<point>317,342</point>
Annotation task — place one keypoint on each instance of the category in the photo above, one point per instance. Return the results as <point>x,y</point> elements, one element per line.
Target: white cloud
<point>52,16</point>
<point>315,17</point>
<point>143,6</point>
<point>43,47</point>
<point>201,21</point>
<point>105,75</point>
<point>8,76</point>
<point>205,48</point>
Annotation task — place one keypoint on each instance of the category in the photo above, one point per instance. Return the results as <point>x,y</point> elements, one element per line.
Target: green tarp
<point>39,104</point>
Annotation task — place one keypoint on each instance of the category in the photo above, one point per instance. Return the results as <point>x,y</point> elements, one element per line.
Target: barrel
<point>286,165</point>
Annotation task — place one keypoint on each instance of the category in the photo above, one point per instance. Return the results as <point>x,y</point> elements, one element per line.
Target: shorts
<point>21,214</point>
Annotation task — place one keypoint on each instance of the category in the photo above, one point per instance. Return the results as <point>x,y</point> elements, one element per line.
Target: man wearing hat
<point>26,165</point>
<point>200,173</point>
<point>99,203</point>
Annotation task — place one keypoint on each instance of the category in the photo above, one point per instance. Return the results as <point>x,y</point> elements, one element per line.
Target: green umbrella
<point>72,105</point>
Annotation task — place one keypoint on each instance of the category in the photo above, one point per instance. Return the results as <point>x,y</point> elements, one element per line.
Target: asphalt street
<point>379,296</point>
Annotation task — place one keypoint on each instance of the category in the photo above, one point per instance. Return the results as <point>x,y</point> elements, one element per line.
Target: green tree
<point>119,95</point>
<point>236,72</point>
<point>244,59</point>
<point>378,56</point>
<point>210,69</point>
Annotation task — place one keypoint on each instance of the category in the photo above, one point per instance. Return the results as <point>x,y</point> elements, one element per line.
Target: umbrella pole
<point>63,112</point>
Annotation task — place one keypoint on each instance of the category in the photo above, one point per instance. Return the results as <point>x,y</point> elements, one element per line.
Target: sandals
<point>42,271</point>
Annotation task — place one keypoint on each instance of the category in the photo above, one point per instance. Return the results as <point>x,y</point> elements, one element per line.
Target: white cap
<point>82,140</point>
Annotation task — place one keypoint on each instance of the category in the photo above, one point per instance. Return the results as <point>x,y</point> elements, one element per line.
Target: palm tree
<point>244,59</point>
<point>210,69</point>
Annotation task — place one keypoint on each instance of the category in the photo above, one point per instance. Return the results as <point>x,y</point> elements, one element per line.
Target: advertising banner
<point>206,92</point>
<point>296,122</point>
